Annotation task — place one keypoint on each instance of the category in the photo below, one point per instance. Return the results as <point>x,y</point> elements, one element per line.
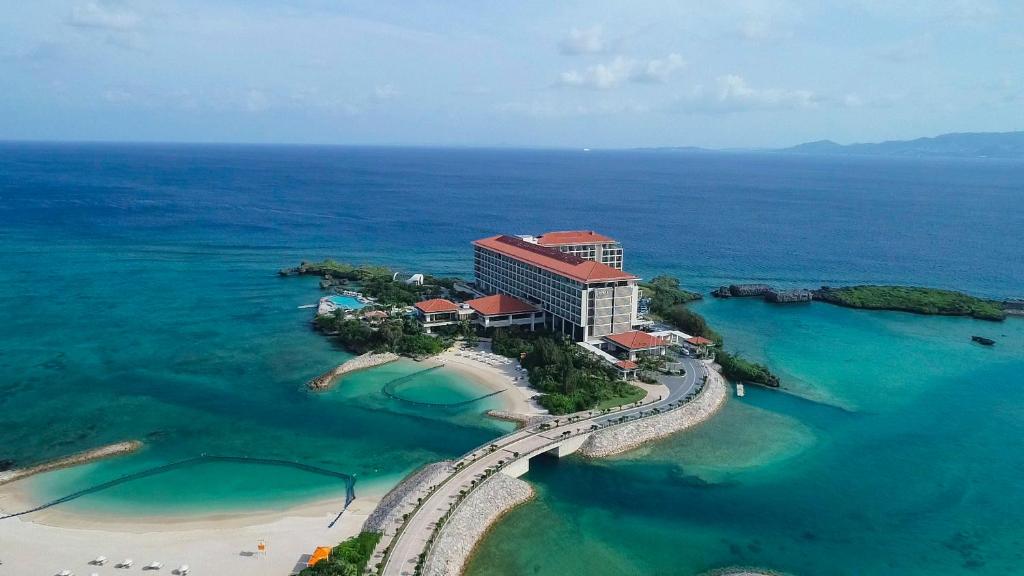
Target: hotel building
<point>586,244</point>
<point>575,278</point>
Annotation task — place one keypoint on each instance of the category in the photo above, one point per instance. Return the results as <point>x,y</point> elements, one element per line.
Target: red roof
<point>500,304</point>
<point>699,341</point>
<point>436,305</point>
<point>635,340</point>
<point>626,364</point>
<point>553,260</point>
<point>572,237</point>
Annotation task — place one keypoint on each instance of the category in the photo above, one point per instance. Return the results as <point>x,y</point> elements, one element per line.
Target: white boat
<point>740,391</point>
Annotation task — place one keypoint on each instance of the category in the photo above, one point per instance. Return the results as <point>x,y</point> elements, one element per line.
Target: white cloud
<point>583,41</point>
<point>385,92</point>
<point>732,94</point>
<point>118,96</point>
<point>621,69</point>
<point>660,69</point>
<point>104,17</point>
<point>256,101</point>
<point>762,30</point>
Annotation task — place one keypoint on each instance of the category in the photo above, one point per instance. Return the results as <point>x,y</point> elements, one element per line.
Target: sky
<point>600,74</point>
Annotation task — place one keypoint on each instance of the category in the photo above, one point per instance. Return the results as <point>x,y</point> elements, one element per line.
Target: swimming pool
<point>349,302</point>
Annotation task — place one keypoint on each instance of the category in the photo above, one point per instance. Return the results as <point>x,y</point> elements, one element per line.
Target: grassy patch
<point>913,299</point>
<point>635,394</point>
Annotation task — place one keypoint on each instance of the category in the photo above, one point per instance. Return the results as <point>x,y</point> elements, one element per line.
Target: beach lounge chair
<point>99,561</point>
<point>154,566</point>
<point>127,563</point>
<point>183,570</point>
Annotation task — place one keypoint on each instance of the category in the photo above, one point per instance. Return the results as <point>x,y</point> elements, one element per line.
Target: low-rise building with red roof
<point>501,310</point>
<point>438,312</point>
<point>635,343</point>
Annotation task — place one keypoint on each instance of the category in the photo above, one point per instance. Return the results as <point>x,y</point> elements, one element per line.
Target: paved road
<point>420,526</point>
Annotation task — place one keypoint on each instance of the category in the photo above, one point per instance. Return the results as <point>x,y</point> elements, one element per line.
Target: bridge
<point>511,454</point>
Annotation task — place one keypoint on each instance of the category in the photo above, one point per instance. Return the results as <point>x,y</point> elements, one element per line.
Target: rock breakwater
<point>526,420</point>
<point>108,451</point>
<point>368,360</point>
<point>628,436</point>
<point>403,497</point>
<point>470,521</point>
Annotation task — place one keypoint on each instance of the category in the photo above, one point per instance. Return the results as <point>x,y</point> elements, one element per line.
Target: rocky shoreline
<point>108,451</point>
<point>390,508</point>
<point>362,362</point>
<point>470,522</point>
<point>628,436</point>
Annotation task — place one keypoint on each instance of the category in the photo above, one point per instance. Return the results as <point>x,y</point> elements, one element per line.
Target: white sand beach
<point>55,539</point>
<point>517,395</point>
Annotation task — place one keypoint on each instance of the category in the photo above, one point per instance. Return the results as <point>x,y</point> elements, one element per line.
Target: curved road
<point>411,541</point>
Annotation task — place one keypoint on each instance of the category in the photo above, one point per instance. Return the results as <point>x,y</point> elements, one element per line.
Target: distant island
<point>956,145</point>
<point>1000,145</point>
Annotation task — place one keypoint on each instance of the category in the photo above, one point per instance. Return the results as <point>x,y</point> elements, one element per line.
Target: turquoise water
<point>347,302</point>
<point>872,477</point>
<point>139,299</point>
<point>216,364</point>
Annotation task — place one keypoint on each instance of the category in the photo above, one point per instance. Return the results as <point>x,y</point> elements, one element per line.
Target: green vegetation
<point>348,558</point>
<point>668,302</point>
<point>636,394</point>
<point>398,335</point>
<point>912,299</point>
<point>664,292</point>
<point>570,380</point>
<point>376,282</point>
<point>735,367</point>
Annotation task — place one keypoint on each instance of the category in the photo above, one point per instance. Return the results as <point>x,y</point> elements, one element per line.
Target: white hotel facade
<point>575,278</point>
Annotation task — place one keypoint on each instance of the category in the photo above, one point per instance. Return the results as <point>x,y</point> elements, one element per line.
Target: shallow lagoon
<point>905,462</point>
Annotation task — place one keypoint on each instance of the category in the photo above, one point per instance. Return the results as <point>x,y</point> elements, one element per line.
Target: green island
<point>918,300</point>
<point>346,559</point>
<point>736,367</point>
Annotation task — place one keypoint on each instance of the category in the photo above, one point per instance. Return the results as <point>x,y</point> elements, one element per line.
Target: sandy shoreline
<point>220,543</point>
<point>224,543</point>
<point>517,394</point>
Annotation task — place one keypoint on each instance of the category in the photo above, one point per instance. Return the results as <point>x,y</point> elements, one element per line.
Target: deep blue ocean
<point>139,299</point>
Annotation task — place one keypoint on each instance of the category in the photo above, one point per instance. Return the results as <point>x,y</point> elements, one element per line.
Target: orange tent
<point>321,553</point>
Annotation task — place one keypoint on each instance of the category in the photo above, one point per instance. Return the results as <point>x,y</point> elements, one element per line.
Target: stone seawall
<point>631,435</point>
<point>107,451</point>
<point>402,498</point>
<point>470,521</point>
<point>368,360</point>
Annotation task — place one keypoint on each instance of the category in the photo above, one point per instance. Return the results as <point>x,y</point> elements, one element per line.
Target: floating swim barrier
<point>390,389</point>
<point>349,479</point>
